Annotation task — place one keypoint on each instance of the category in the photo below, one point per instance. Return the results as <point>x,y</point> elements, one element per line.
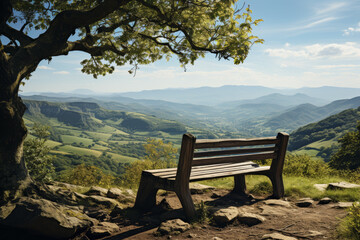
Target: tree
<point>348,156</point>
<point>36,154</point>
<point>112,32</point>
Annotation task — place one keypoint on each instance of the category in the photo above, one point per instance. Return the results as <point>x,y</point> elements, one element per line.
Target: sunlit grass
<point>295,187</point>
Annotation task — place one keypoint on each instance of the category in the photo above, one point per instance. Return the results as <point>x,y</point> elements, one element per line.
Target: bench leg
<point>239,184</point>
<point>278,186</point>
<point>146,195</point>
<point>187,203</point>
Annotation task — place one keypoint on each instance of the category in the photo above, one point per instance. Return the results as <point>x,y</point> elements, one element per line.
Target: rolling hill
<point>320,138</point>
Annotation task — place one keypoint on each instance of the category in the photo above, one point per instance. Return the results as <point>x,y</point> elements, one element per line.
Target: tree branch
<point>14,34</point>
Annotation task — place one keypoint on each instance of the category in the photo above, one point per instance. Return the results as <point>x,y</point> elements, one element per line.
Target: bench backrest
<point>219,151</point>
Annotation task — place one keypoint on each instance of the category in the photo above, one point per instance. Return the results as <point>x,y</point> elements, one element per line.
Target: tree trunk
<point>14,177</point>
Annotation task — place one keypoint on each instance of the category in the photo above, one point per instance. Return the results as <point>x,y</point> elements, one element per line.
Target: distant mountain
<point>321,137</point>
<point>212,96</point>
<point>202,95</point>
<point>279,99</point>
<point>90,116</point>
<point>307,113</point>
<point>218,95</point>
<point>328,93</point>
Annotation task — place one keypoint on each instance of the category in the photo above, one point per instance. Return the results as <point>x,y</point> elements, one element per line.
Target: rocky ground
<point>108,214</point>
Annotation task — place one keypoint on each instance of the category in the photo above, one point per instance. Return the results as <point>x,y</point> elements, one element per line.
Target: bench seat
<point>200,173</point>
<point>215,158</point>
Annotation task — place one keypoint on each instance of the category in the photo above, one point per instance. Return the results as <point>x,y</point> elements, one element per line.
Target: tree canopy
<point>118,32</point>
<point>348,156</point>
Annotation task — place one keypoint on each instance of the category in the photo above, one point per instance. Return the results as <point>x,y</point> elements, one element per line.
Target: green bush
<point>86,175</point>
<point>305,166</point>
<point>36,154</point>
<point>159,155</point>
<point>349,228</point>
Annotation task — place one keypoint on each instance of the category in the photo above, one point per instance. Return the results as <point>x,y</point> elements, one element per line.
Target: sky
<point>307,44</point>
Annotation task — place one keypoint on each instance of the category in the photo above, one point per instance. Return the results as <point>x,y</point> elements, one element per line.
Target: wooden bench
<point>217,158</point>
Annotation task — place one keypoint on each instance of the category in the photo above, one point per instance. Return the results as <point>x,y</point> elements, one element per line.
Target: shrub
<point>159,155</point>
<point>350,227</point>
<point>305,166</point>
<point>348,156</point>
<point>36,154</point>
<point>86,175</point>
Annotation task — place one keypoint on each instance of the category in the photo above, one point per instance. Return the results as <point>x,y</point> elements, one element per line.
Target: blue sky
<point>307,44</point>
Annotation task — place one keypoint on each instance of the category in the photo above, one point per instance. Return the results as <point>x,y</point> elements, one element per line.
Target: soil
<point>315,222</point>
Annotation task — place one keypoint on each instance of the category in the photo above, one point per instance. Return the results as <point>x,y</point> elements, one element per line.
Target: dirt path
<point>316,222</point>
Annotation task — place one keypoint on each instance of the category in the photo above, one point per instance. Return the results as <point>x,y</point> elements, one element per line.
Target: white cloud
<point>314,51</point>
<point>62,72</point>
<point>331,7</point>
<point>45,67</point>
<point>352,29</point>
<point>317,22</point>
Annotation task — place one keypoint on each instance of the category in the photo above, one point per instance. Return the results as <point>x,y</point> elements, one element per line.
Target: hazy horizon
<point>307,44</point>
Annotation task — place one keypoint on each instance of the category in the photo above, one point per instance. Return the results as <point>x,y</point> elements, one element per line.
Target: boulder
<point>342,185</point>
<point>94,200</point>
<point>99,191</point>
<point>304,202</point>
<point>115,193</point>
<point>45,218</point>
<point>225,216</point>
<point>343,205</point>
<point>274,210</point>
<point>325,200</point>
<point>277,236</point>
<point>277,202</point>
<point>250,219</point>
<point>197,188</point>
<point>173,226</point>
<point>103,229</point>
<point>321,187</point>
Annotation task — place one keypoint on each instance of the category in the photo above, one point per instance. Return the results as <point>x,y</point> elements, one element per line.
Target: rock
<point>103,201</point>
<point>130,193</point>
<point>321,187</point>
<point>277,202</point>
<point>115,193</point>
<point>197,188</point>
<point>216,238</point>
<point>342,185</point>
<point>343,205</point>
<point>192,235</point>
<point>45,218</point>
<point>100,214</point>
<point>250,219</point>
<point>103,229</point>
<point>99,191</point>
<point>225,215</point>
<point>325,200</point>
<point>277,236</point>
<point>274,210</point>
<point>304,202</point>
<point>171,226</point>
<point>314,234</point>
<point>116,211</point>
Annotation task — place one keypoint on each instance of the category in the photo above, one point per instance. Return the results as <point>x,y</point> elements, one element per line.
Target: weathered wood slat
<point>222,143</point>
<point>199,168</point>
<point>233,151</point>
<point>228,168</point>
<point>241,158</point>
<point>221,174</point>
